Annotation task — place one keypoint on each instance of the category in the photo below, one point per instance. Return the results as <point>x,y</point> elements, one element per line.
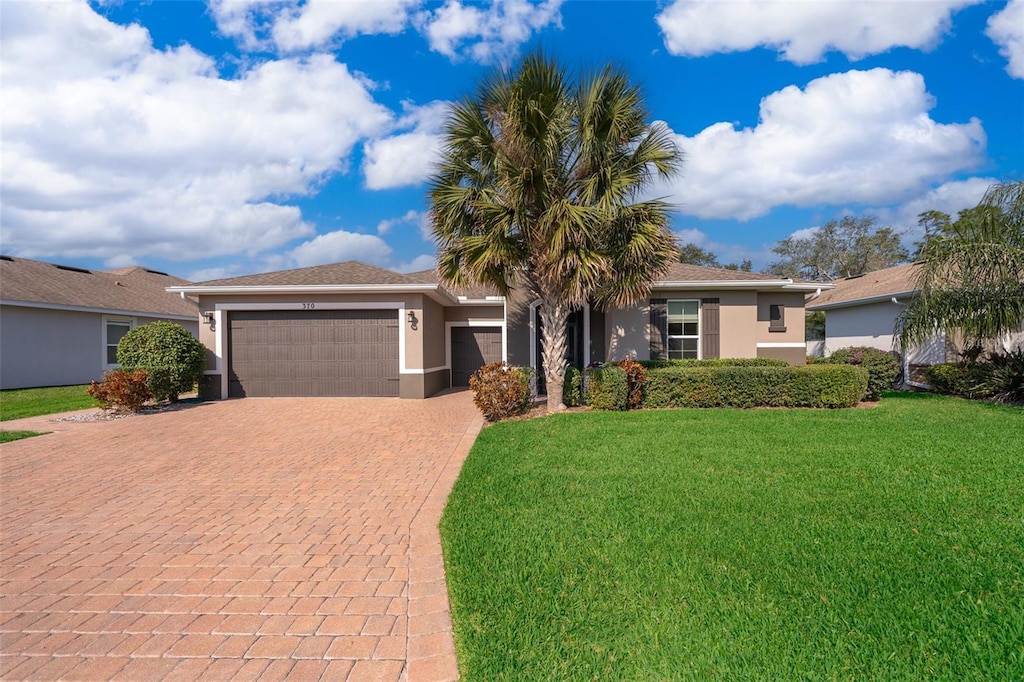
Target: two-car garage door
<point>313,353</point>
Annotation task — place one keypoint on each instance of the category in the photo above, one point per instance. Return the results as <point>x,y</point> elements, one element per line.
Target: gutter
<point>880,298</point>
<point>787,284</point>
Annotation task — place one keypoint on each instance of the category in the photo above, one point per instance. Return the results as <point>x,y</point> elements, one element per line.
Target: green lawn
<point>878,543</point>
<point>8,436</point>
<point>30,402</point>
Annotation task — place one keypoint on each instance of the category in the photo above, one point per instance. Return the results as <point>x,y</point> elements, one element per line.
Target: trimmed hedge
<point>715,362</point>
<point>606,387</point>
<point>501,391</point>
<point>828,386</point>
<point>572,387</point>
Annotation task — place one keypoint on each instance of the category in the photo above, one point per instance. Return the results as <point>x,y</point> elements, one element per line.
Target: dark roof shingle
<point>349,272</point>
<point>133,289</point>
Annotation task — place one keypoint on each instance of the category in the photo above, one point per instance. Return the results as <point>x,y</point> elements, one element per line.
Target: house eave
<point>747,285</point>
<point>98,310</point>
<point>434,291</point>
<point>866,300</point>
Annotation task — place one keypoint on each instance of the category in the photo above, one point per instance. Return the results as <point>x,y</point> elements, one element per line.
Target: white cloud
<point>340,246</point>
<point>407,156</point>
<point>950,198</point>
<point>489,34</point>
<point>803,31</point>
<point>427,261</point>
<point>320,21</point>
<point>857,137</point>
<point>1006,29</point>
<point>114,149</point>
<point>408,218</point>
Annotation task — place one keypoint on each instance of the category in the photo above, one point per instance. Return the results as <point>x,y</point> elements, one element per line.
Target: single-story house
<point>862,311</point>
<point>60,325</point>
<point>351,329</point>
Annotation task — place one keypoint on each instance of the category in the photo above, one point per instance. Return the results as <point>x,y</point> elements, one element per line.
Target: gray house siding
<point>44,347</point>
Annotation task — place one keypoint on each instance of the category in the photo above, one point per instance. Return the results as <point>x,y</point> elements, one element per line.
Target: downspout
<point>906,355</point>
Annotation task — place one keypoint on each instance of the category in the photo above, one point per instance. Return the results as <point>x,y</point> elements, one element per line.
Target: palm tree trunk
<point>554,315</point>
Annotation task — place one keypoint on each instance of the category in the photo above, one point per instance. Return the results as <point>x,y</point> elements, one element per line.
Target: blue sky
<point>238,136</point>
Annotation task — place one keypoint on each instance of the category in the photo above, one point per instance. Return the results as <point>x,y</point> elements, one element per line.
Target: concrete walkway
<point>260,538</point>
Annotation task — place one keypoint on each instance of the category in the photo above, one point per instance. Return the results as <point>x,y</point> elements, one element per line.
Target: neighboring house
<point>862,311</point>
<point>60,325</point>
<point>351,329</point>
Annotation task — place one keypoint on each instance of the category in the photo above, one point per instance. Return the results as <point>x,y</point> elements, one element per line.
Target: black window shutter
<point>659,328</point>
<point>709,328</point>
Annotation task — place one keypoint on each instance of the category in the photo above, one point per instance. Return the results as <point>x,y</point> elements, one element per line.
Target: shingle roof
<point>684,272</point>
<point>349,272</point>
<point>131,289</point>
<point>473,291</point>
<point>899,279</point>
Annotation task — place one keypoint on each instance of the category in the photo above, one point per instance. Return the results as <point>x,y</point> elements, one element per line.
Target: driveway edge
<point>430,646</point>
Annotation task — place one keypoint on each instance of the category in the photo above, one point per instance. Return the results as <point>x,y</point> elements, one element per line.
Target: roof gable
<point>347,273</point>
<point>869,287</point>
<point>134,289</point>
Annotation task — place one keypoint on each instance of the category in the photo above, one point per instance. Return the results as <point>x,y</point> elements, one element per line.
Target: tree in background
<point>692,254</point>
<point>538,188</point>
<point>839,248</point>
<point>972,279</point>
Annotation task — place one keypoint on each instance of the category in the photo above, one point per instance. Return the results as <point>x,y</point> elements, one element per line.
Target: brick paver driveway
<point>259,538</point>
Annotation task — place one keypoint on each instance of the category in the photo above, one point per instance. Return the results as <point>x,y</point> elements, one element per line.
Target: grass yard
<point>31,402</point>
<point>8,436</point>
<point>879,543</point>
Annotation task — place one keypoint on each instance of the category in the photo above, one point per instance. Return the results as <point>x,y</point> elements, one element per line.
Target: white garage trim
<point>221,339</point>
<point>782,344</point>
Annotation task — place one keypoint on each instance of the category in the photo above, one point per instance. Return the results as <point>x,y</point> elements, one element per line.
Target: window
<point>683,329</point>
<point>776,317</point>
<point>115,330</point>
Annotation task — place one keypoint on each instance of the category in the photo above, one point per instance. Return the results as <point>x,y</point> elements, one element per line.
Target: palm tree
<point>539,188</point>
<point>972,280</point>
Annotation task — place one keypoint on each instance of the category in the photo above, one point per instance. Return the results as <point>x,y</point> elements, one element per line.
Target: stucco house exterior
<point>351,329</point>
<point>862,311</point>
<point>60,325</point>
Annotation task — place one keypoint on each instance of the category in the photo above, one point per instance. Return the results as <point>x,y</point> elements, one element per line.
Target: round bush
<point>501,391</point>
<point>174,359</point>
<point>883,367</point>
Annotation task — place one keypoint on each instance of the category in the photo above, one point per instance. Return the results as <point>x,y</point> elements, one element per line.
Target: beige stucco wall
<point>465,313</point>
<point>628,331</point>
<point>794,302</point>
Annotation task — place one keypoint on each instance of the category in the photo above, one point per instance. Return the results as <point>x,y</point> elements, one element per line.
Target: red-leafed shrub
<point>636,378</point>
<point>122,390</point>
<point>501,391</point>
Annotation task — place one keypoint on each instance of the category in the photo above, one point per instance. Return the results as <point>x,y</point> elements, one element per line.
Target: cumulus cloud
<point>339,246</point>
<point>482,32</point>
<point>114,148</point>
<point>426,261</point>
<point>949,197</point>
<point>407,156</point>
<point>1006,29</point>
<point>486,34</point>
<point>803,31</point>
<point>856,137</point>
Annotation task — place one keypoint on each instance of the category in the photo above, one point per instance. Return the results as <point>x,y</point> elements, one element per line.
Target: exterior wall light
<point>413,322</point>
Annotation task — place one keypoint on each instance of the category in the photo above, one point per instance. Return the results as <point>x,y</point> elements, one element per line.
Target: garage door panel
<point>473,347</point>
<point>313,353</point>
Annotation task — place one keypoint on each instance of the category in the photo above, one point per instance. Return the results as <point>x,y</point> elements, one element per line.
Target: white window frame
<point>668,323</point>
<point>104,344</point>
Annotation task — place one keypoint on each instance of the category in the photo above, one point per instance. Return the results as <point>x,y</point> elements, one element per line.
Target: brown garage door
<point>313,353</point>
<point>473,347</point>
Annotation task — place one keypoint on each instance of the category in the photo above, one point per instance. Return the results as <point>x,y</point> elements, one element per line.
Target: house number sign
<point>308,306</point>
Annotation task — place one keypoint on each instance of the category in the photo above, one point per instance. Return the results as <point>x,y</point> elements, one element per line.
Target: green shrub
<point>122,390</point>
<point>883,367</point>
<point>636,377</point>
<point>501,391</point>
<point>173,358</point>
<point>606,388</point>
<point>802,386</point>
<point>998,377</point>
<point>715,362</point>
<point>572,387</point>
<point>951,378</point>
